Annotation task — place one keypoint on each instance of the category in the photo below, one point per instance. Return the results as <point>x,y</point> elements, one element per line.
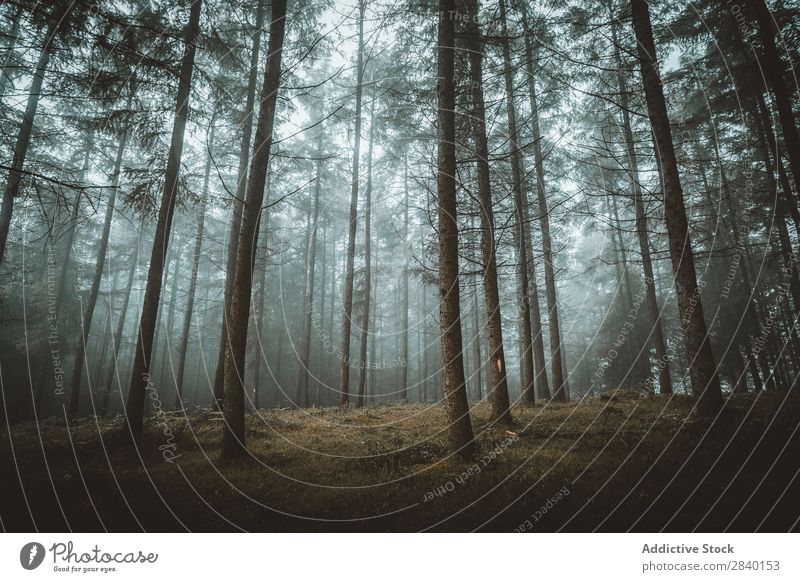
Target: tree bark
<point>141,380</point>
<point>233,437</point>
<point>455,393</point>
<point>702,368</point>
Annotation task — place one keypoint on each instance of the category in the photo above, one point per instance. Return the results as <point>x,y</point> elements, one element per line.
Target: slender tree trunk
<point>238,201</point>
<point>140,377</point>
<point>5,76</point>
<point>233,437</point>
<point>347,300</point>
<point>331,360</point>
<point>44,396</point>
<point>258,316</point>
<point>702,368</point>
<point>370,392</point>
<point>308,302</point>
<point>115,348</point>
<point>559,380</point>
<point>657,333</point>
<point>15,173</point>
<point>362,359</point>
<point>424,351</point>
<point>476,348</point>
<point>88,311</point>
<point>321,366</point>
<point>521,232</point>
<point>539,359</point>
<point>455,393</point>
<point>198,246</point>
<point>406,242</point>
<point>772,64</point>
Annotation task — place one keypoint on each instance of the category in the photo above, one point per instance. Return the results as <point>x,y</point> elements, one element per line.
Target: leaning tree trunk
<point>140,377</point>
<point>347,299</point>
<point>15,172</point>
<point>657,334</point>
<point>702,368</point>
<point>491,292</point>
<point>521,231</point>
<point>198,246</point>
<point>233,438</point>
<point>455,392</point>
<point>362,359</point>
<point>88,311</point>
<point>241,186</point>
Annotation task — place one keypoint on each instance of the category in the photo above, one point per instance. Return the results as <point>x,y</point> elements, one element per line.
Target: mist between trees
<point>296,203</point>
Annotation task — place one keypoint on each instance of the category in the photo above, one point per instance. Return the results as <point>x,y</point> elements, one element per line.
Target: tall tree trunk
<point>238,201</point>
<point>117,338</point>
<point>424,351</point>
<point>560,390</point>
<point>521,231</point>
<point>332,361</point>
<point>773,66</point>
<point>88,310</point>
<point>702,368</point>
<point>657,332</point>
<point>362,359</point>
<point>308,301</point>
<point>15,173</point>
<point>198,246</point>
<point>323,296</point>
<point>140,377</point>
<point>347,300</point>
<point>5,76</point>
<point>44,396</point>
<point>258,316</point>
<point>233,438</point>
<point>491,292</point>
<point>539,359</point>
<point>404,323</point>
<point>477,365</point>
<point>455,392</point>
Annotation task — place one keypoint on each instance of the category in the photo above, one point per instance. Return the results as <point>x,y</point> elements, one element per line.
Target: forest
<point>399,265</point>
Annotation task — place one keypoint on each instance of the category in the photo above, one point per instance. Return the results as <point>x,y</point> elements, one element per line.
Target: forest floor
<point>616,462</point>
